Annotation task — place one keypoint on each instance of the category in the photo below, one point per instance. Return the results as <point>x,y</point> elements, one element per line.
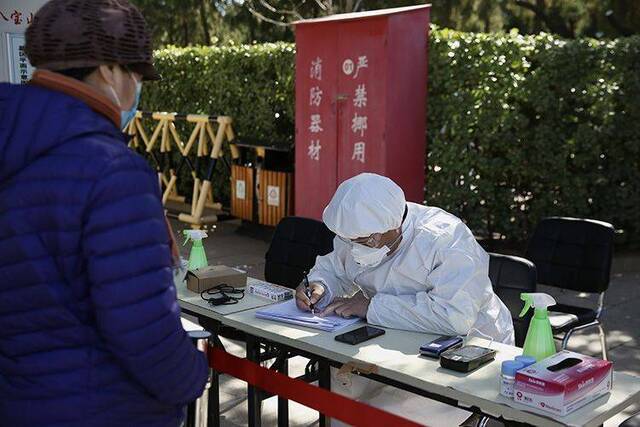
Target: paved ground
<point>228,244</point>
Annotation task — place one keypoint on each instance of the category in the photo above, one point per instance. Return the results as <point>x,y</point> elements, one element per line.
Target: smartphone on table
<point>360,335</point>
<point>436,347</point>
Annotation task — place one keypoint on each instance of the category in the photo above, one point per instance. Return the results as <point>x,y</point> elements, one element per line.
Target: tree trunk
<point>537,22</point>
<point>348,6</point>
<point>205,23</point>
<point>447,12</point>
<point>485,10</point>
<point>185,30</point>
<point>172,28</point>
<point>551,17</point>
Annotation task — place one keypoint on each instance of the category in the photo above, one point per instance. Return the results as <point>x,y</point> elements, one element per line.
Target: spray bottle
<point>539,342</point>
<point>197,257</point>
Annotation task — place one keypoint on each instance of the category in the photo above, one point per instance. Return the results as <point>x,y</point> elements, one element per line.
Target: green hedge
<point>254,84</point>
<point>519,127</point>
<point>524,127</point>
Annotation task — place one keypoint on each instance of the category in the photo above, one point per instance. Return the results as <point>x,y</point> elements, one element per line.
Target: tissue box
<point>564,382</point>
<point>206,278</point>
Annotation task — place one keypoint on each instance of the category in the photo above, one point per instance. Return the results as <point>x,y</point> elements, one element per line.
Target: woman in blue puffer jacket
<point>90,330</point>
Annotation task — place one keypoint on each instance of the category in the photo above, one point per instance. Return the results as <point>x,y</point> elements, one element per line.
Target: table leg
<point>190,415</point>
<point>213,418</point>
<point>324,381</point>
<point>213,404</point>
<point>253,394</point>
<point>283,404</point>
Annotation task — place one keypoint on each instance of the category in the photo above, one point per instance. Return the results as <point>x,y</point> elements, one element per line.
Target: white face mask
<point>370,257</point>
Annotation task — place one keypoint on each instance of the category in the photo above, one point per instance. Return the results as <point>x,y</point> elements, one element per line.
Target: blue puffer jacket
<point>90,333</point>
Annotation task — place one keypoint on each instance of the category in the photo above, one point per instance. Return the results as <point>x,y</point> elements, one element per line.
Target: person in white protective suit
<point>405,266</point>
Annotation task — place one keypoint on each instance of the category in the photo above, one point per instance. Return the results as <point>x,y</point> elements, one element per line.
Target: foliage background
<point>192,22</point>
<point>519,126</point>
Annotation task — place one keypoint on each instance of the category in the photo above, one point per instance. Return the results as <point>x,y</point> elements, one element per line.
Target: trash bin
<point>274,196</point>
<point>262,189</point>
<point>242,192</point>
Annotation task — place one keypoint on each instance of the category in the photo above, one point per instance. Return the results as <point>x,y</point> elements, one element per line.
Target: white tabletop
<point>396,356</point>
<point>191,301</point>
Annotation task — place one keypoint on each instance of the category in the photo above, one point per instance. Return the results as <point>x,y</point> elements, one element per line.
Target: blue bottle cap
<point>526,360</point>
<point>510,367</point>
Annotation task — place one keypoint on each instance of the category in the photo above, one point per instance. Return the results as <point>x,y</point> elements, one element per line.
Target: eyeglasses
<point>371,241</point>
<point>374,240</point>
<point>222,294</point>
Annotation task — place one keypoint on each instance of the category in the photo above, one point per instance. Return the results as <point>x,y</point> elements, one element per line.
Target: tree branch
<point>554,22</point>
<point>611,17</point>
<point>322,5</point>
<point>268,6</point>
<point>262,17</point>
<point>532,7</point>
<point>280,11</point>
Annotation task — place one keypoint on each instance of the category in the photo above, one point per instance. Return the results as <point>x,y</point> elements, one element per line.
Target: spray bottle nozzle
<point>193,235</point>
<point>197,256</point>
<point>536,300</point>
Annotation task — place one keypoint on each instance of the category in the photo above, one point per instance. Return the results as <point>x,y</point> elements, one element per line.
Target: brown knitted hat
<point>69,34</point>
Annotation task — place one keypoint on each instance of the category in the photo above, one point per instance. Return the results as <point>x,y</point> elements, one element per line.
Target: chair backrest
<point>295,245</point>
<point>572,253</point>
<point>510,276</point>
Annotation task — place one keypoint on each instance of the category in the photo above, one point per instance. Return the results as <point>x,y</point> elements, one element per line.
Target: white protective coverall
<point>436,281</point>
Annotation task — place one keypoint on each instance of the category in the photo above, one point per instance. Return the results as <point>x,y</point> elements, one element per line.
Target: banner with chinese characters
<point>360,102</point>
<point>362,108</point>
<point>316,119</point>
<point>20,69</point>
<point>15,17</point>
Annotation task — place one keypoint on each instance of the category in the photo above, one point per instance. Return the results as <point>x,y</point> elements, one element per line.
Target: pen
<point>308,292</point>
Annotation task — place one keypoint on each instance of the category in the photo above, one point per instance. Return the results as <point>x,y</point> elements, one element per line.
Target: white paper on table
<point>288,312</point>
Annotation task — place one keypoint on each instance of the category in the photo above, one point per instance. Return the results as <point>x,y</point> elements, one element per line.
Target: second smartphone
<point>436,347</point>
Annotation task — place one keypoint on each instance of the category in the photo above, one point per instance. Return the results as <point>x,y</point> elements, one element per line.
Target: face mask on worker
<point>127,115</point>
<point>367,256</point>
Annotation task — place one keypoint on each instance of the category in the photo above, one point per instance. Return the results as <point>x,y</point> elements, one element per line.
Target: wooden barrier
<point>205,143</point>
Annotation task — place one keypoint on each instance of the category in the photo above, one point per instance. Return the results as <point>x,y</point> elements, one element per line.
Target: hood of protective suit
<point>363,205</point>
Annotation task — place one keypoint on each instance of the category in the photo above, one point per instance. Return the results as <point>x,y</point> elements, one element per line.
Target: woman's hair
<point>77,73</point>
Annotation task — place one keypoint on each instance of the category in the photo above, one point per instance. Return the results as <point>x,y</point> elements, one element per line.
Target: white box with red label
<point>564,382</point>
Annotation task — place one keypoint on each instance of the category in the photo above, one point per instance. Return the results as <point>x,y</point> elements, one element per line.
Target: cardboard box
<point>206,278</point>
<point>564,382</point>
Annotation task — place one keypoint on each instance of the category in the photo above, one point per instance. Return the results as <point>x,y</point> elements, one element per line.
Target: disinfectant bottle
<point>197,257</point>
<point>539,342</point>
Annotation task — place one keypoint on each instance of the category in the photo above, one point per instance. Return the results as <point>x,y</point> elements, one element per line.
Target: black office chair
<point>632,421</point>
<point>293,250</point>
<point>510,276</point>
<point>574,254</point>
<point>295,245</point>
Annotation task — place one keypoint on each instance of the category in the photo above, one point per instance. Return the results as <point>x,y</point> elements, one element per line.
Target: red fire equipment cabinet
<point>361,89</point>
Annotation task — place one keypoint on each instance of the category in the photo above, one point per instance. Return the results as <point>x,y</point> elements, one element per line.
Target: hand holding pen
<point>308,294</point>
